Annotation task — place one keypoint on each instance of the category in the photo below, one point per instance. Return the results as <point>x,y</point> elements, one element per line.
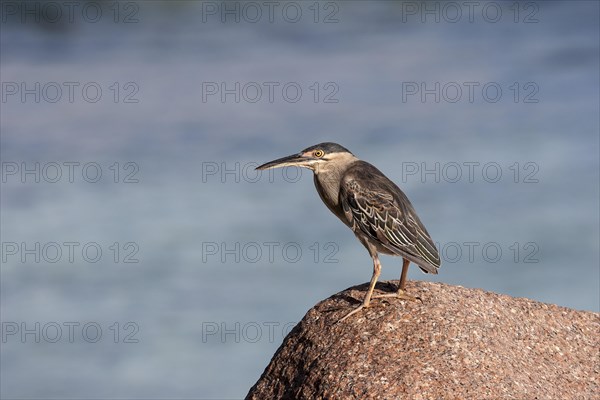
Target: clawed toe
<point>400,294</point>
<point>357,309</point>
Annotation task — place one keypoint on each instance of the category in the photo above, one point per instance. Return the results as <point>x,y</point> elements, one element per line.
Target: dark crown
<point>328,147</point>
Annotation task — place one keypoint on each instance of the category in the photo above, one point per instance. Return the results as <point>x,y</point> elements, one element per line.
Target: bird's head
<point>320,157</point>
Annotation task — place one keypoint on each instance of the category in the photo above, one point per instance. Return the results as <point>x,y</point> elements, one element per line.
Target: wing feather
<point>375,206</point>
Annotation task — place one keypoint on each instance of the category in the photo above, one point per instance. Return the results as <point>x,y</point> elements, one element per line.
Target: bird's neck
<point>328,180</point>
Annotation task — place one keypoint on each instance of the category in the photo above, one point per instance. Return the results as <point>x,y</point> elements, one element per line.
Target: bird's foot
<point>400,294</point>
<point>357,309</point>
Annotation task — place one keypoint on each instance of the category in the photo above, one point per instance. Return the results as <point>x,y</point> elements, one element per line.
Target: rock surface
<point>457,343</point>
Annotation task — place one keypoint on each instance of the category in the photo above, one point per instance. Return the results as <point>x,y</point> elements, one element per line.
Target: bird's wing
<point>370,207</point>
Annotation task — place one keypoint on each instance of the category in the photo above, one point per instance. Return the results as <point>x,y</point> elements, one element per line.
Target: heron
<point>378,212</point>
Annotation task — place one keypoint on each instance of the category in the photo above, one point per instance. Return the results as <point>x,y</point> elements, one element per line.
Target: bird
<point>372,206</point>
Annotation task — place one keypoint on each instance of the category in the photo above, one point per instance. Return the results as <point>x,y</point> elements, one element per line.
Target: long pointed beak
<point>295,160</point>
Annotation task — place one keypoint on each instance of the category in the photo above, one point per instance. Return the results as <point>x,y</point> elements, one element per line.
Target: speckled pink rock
<point>457,343</point>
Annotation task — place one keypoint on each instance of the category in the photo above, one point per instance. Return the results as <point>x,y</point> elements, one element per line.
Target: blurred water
<point>186,301</point>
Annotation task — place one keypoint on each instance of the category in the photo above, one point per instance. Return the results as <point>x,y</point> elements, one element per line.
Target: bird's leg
<point>367,299</point>
<point>400,293</point>
<point>402,283</point>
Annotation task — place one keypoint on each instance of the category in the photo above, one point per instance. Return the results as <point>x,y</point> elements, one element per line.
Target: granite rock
<point>456,343</point>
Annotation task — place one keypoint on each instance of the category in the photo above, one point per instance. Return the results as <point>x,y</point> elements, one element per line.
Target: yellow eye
<point>319,153</point>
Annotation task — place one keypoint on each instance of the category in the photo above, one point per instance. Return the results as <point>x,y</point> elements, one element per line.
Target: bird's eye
<point>319,153</point>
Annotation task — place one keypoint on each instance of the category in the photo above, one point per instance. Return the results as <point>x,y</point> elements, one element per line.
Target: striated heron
<point>377,211</point>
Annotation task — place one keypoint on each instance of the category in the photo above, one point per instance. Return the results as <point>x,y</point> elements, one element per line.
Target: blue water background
<point>177,294</point>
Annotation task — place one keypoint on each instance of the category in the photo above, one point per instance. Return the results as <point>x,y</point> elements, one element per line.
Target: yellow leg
<point>405,264</point>
<point>367,299</point>
<point>400,293</point>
